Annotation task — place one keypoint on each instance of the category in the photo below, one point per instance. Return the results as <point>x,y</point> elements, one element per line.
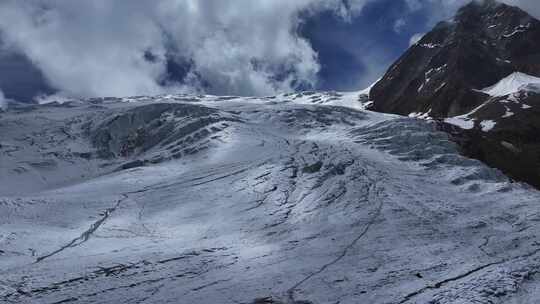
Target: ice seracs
<point>280,199</point>
<point>357,100</point>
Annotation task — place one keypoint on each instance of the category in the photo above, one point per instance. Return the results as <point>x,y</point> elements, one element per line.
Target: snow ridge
<point>511,84</point>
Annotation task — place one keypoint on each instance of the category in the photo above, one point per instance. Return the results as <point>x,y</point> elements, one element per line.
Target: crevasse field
<point>302,198</point>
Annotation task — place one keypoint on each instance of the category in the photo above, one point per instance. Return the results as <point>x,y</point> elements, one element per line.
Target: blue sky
<point>81,48</point>
<point>354,53</point>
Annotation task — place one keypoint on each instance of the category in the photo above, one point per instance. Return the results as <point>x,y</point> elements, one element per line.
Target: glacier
<point>295,198</point>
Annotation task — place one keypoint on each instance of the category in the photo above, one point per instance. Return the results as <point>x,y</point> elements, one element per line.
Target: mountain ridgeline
<point>478,75</point>
<point>439,74</point>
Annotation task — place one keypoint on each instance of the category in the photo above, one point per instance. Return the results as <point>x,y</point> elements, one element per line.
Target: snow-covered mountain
<point>503,131</point>
<point>478,72</point>
<point>443,73</point>
<point>284,199</point>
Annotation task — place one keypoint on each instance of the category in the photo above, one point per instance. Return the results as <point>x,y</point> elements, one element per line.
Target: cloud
<point>3,101</point>
<point>399,24</point>
<point>86,47</point>
<point>124,47</point>
<point>240,47</point>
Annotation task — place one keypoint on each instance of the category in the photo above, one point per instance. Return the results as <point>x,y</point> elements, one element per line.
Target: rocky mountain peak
<point>492,19</point>
<point>442,73</point>
<point>478,75</point>
<point>480,7</point>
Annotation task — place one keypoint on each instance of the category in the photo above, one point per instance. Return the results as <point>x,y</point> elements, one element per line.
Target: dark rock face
<point>439,75</point>
<point>513,143</point>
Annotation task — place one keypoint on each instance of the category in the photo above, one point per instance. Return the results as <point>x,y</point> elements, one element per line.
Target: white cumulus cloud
<point>97,48</point>
<point>236,47</point>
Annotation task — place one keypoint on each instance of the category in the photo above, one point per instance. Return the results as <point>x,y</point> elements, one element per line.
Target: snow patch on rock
<point>512,84</point>
<point>461,121</point>
<point>487,125</point>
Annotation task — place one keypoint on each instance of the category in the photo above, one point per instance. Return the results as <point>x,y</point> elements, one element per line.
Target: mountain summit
<point>441,74</point>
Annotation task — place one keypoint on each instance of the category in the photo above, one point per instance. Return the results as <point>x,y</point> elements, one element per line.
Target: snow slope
<point>206,199</point>
<point>511,84</point>
<point>508,101</point>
